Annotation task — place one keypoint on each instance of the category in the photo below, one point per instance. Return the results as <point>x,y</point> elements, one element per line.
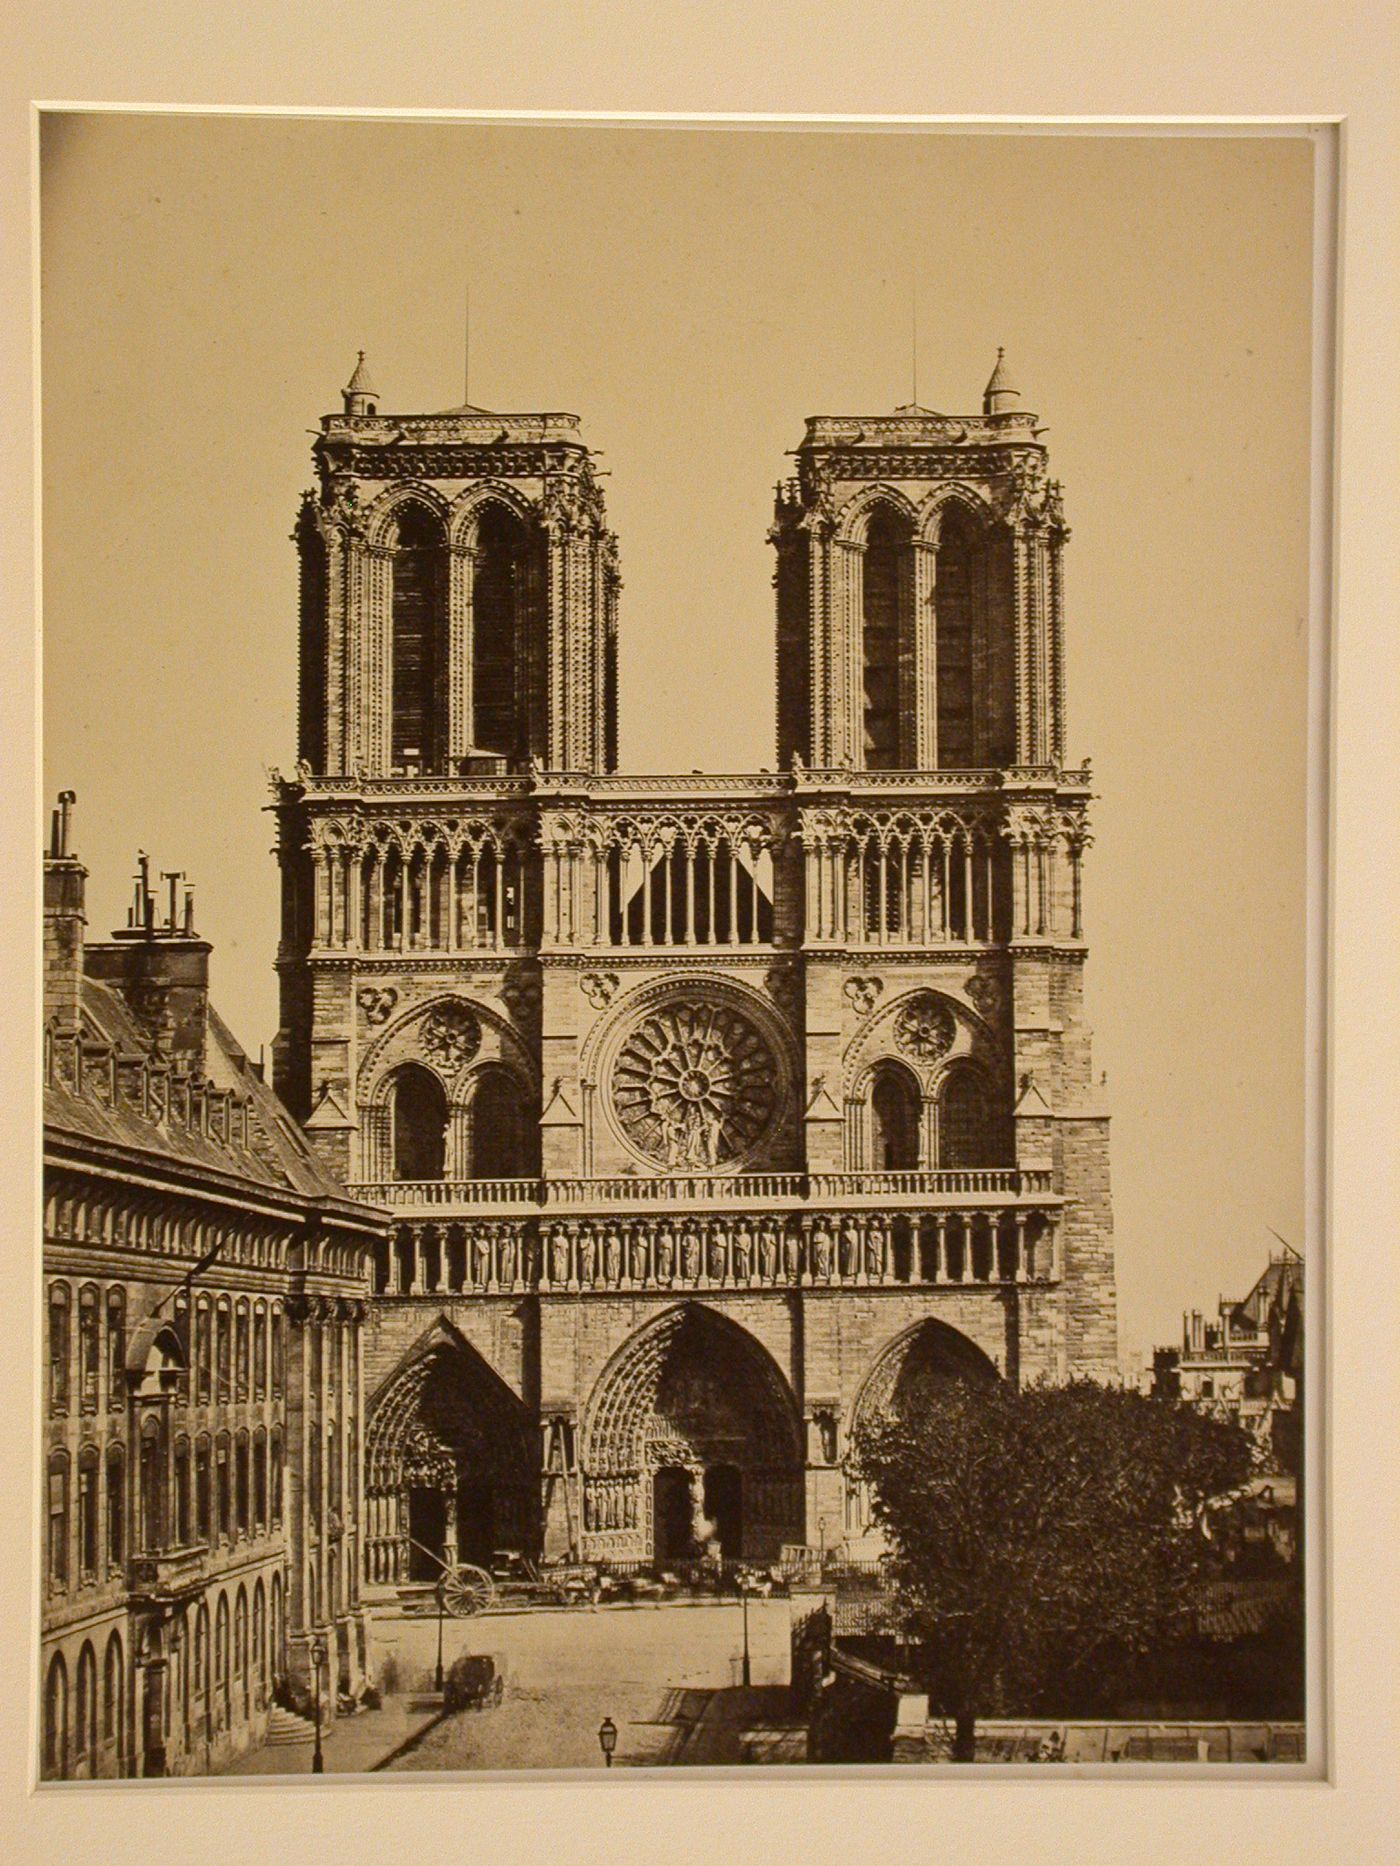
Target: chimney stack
<point>65,881</point>
<point>161,968</point>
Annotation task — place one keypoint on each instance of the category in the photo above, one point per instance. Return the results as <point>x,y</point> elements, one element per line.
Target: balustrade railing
<point>728,1190</point>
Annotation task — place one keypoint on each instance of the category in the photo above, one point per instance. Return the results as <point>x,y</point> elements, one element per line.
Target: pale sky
<point>694,295</point>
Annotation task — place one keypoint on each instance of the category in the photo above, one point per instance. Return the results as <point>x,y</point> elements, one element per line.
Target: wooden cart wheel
<point>467,1590</point>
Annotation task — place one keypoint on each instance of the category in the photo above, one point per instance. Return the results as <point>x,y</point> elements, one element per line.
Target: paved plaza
<point>669,1677</point>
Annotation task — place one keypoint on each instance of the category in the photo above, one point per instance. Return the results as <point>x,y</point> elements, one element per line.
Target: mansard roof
<point>267,1152</point>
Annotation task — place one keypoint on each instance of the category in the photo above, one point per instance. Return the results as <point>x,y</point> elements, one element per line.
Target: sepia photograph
<point>680,1112</point>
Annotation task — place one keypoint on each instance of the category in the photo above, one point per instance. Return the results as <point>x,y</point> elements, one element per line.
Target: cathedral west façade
<point>712,1111</point>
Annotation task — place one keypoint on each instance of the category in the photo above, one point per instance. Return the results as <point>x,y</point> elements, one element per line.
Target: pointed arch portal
<point>907,1374</point>
<point>691,1441</point>
<point>449,1470</point>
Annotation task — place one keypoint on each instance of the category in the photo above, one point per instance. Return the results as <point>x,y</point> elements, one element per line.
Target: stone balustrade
<point>713,1191</point>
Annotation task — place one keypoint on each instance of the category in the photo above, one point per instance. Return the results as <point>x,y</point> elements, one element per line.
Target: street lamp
<point>441,1604</point>
<point>318,1659</point>
<point>607,1739</point>
<point>744,1597</point>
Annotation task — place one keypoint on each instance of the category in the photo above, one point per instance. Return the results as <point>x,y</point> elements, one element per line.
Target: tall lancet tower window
<point>419,555</point>
<point>887,646</point>
<point>508,702</point>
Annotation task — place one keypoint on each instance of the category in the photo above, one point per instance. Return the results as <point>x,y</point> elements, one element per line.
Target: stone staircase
<point>285,1729</point>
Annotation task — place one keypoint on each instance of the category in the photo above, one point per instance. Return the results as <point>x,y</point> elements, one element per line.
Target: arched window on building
<point>505,1132</point>
<point>240,1652</point>
<point>56,1720</point>
<point>275,1475</point>
<point>260,1478</point>
<point>89,1478</point>
<point>116,1507</point>
<point>242,1349</point>
<point>152,1487</point>
<point>182,1493</point>
<point>204,1490</point>
<point>223,1350</point>
<point>203,1668</point>
<point>967,1130</point>
<point>894,1119</point>
<point>116,1349</point>
<point>334,1501</point>
<point>259,1652</point>
<point>58,1521</point>
<point>887,635</point>
<point>418,1105</point>
<point>275,1656</point>
<point>58,1347</point>
<point>260,1353</point>
<point>85,1713</point>
<point>223,1487</point>
<point>89,1346</point>
<point>419,650</point>
<point>222,1695</point>
<point>204,1349</point>
<point>242,1487</point>
<point>114,1704</point>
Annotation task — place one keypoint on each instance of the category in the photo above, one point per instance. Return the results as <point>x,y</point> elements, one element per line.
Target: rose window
<point>695,1085</point>
<point>925,1029</point>
<point>451,1036</point>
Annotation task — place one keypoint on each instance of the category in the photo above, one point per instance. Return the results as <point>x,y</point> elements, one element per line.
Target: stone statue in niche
<point>665,1254</point>
<point>743,1253</point>
<point>719,1250</point>
<point>529,1258</point>
<point>559,1255</point>
<point>690,1254</point>
<point>876,1248</point>
<point>768,1253</point>
<point>826,1424</point>
<point>508,1257</point>
<point>481,1258</point>
<point>612,1257</point>
<point>639,1256</point>
<point>792,1253</point>
<point>850,1248</point>
<point>587,1256</point>
<point>821,1251</point>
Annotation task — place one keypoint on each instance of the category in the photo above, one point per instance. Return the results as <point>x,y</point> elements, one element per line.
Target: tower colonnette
<point>714,1111</point>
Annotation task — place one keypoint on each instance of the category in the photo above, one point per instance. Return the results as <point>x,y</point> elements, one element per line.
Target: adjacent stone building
<point>712,1111</point>
<point>205,1286</point>
<point>1248,1361</point>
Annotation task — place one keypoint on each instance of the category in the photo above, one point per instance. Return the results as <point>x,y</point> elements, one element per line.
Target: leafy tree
<point>1041,1531</point>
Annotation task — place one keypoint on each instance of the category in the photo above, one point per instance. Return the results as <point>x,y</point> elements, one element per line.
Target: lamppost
<point>744,1597</point>
<point>607,1740</point>
<point>441,1603</point>
<point>318,1659</point>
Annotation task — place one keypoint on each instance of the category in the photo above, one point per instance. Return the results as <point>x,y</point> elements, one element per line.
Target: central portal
<point>691,1447</point>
